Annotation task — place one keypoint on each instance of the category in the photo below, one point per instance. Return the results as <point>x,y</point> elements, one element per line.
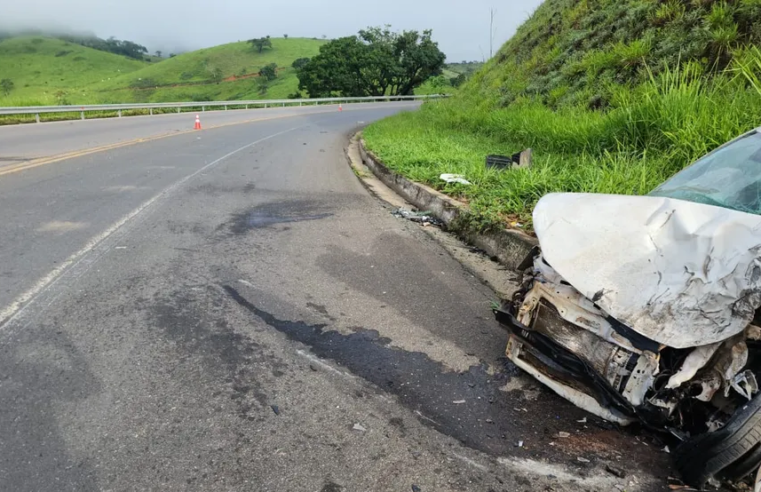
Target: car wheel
<point>730,453</point>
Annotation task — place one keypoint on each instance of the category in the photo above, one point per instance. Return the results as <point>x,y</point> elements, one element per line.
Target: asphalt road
<point>231,310</point>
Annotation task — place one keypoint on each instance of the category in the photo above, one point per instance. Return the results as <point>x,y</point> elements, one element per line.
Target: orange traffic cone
<point>198,122</point>
<point>340,107</point>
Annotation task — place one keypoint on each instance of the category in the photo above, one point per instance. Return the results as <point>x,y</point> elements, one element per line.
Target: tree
<point>376,62</point>
<point>158,53</point>
<point>126,48</point>
<point>459,80</point>
<point>285,36</point>
<point>217,75</point>
<point>260,43</point>
<point>268,72</point>
<point>7,85</point>
<point>172,55</point>
<point>300,63</point>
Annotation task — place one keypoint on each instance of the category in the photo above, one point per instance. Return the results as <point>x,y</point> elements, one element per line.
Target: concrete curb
<point>508,246</point>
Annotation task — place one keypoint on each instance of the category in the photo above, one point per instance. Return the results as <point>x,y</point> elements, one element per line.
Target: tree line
<point>111,45</point>
<point>375,62</point>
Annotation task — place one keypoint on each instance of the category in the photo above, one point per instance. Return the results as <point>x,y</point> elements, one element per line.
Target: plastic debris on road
<point>419,217</point>
<point>454,178</point>
<point>359,427</point>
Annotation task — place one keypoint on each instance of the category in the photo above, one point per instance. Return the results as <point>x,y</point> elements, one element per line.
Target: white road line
<point>80,262</point>
<point>562,474</point>
<point>470,462</point>
<point>322,364</point>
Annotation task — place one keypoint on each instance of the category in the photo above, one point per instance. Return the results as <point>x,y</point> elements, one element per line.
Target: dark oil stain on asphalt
<point>272,213</point>
<point>203,333</point>
<point>487,421</point>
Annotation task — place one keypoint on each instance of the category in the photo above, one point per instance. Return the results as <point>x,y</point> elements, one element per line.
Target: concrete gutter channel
<point>507,246</point>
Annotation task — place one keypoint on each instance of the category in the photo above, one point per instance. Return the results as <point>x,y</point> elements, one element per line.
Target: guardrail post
<point>120,113</point>
<point>203,109</point>
<point>82,114</point>
<point>299,103</point>
<point>150,111</point>
<point>225,107</point>
<point>265,105</point>
<point>283,104</point>
<point>37,117</point>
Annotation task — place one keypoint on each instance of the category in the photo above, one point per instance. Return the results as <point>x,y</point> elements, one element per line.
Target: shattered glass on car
<point>728,177</point>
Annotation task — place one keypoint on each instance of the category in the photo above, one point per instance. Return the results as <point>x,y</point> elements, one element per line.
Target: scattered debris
<point>520,444</point>
<point>499,161</point>
<point>615,471</point>
<point>275,409</point>
<point>419,217</point>
<point>455,178</point>
<point>359,427</point>
<point>313,367</point>
<point>458,402</point>
<point>564,434</point>
<point>581,459</point>
<point>415,488</point>
<point>519,160</point>
<point>666,449</point>
<point>582,421</point>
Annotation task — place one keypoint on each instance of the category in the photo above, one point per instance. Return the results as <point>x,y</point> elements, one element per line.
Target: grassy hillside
<point>40,67</point>
<point>39,70</point>
<point>613,96</point>
<point>189,76</point>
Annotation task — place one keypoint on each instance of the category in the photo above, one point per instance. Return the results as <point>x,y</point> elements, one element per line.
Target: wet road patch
<point>273,213</point>
<point>468,406</point>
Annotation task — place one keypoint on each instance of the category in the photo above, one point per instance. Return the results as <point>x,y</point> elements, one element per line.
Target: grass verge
<point>649,133</point>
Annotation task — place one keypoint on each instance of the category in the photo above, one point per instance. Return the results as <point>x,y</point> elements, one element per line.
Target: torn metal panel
<point>695,361</point>
<point>731,359</point>
<point>571,305</point>
<point>745,384</point>
<point>657,265</point>
<point>578,398</point>
<point>706,386</point>
<point>606,358</point>
<point>641,379</point>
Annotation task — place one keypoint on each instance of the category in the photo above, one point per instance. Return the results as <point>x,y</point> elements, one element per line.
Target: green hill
<point>190,76</point>
<point>43,68</point>
<point>613,96</point>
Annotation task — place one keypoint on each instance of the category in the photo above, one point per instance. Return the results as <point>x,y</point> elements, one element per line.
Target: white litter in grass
<point>455,178</point>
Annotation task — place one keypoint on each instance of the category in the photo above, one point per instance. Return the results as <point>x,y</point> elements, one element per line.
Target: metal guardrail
<point>38,110</point>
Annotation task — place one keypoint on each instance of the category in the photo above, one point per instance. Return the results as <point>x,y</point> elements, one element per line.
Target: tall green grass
<point>646,135</point>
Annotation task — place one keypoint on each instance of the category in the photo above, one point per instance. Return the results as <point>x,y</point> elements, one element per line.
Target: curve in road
<point>230,310</point>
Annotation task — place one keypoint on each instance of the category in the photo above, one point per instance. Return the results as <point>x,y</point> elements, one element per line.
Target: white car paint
<point>680,273</point>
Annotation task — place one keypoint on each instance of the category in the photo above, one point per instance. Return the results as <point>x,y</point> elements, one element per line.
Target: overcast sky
<point>460,27</point>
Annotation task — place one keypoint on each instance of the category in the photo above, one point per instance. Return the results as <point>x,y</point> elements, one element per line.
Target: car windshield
<point>728,177</point>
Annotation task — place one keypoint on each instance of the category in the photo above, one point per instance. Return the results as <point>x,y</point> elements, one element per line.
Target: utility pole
<point>491,34</point>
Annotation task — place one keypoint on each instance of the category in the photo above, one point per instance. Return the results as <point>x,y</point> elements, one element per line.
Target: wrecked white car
<point>646,308</point>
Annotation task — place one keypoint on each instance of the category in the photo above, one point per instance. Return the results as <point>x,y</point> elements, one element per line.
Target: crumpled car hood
<point>680,273</point>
